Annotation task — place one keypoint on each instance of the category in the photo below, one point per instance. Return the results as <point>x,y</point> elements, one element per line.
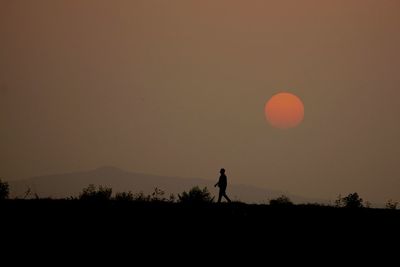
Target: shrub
<point>141,197</point>
<point>196,196</point>
<point>391,204</point>
<point>124,196</point>
<point>281,201</point>
<point>93,194</point>
<point>339,201</point>
<point>4,190</point>
<point>172,198</point>
<point>158,195</point>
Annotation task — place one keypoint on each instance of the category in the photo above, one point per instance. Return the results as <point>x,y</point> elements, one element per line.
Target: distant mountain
<point>71,184</point>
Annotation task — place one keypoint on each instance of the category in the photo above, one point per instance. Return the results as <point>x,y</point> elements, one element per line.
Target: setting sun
<point>284,111</point>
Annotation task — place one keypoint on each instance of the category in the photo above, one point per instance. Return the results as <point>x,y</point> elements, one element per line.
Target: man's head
<point>222,171</point>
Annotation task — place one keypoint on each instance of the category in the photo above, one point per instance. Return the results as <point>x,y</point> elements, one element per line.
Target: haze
<point>178,88</point>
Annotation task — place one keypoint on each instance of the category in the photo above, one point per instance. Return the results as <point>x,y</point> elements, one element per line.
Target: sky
<point>178,88</point>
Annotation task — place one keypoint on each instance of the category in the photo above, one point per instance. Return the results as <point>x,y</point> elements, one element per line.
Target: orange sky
<point>179,87</point>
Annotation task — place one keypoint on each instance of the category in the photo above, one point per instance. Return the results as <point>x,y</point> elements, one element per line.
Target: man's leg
<point>226,197</point>
<point>220,196</point>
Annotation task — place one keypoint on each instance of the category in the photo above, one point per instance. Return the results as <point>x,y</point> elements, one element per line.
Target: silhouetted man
<point>222,184</point>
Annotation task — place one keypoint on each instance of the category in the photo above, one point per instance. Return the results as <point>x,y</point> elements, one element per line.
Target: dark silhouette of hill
<point>187,223</point>
<point>70,184</point>
<point>141,224</point>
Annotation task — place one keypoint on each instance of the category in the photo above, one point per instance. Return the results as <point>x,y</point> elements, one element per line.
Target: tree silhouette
<point>196,196</point>
<point>353,201</point>
<point>4,190</point>
<point>93,194</point>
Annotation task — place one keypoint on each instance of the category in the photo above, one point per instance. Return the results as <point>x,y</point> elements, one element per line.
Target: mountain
<point>71,184</point>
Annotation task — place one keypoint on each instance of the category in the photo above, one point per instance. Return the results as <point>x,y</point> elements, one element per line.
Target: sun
<point>284,110</point>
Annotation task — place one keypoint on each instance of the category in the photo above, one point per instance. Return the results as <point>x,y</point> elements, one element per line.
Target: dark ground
<point>155,227</point>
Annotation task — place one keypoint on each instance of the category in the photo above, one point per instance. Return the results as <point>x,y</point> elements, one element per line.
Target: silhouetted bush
<point>281,201</point>
<point>196,196</point>
<point>172,198</point>
<point>339,201</point>
<point>158,195</point>
<point>352,201</point>
<point>27,193</point>
<point>124,196</point>
<point>93,194</point>
<point>4,190</point>
<point>391,204</point>
<point>141,197</point>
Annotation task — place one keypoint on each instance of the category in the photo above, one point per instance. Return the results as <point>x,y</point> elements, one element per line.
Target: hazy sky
<point>178,88</point>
